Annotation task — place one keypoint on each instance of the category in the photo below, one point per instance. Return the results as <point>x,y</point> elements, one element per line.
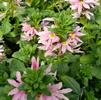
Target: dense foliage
<point>77,66</point>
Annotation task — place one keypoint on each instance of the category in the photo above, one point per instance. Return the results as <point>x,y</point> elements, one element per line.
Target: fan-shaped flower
<point>29,32</point>
<point>56,92</point>
<point>82,7</point>
<point>16,93</point>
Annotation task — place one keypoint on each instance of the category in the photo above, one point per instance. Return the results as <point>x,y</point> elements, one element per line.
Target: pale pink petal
<point>56,86</point>
<point>57,46</point>
<point>49,53</point>
<point>13,91</point>
<point>13,83</point>
<point>86,6</point>
<point>35,64</point>
<point>63,49</point>
<point>79,9</point>
<point>64,91</point>
<point>25,27</point>
<point>49,43</point>
<point>74,7</point>
<point>23,97</point>
<point>76,15</point>
<point>54,98</point>
<point>43,97</point>
<point>48,69</point>
<point>69,48</point>
<point>61,96</point>
<point>56,39</point>
<point>18,76</point>
<point>77,29</point>
<point>43,47</point>
<point>79,40</point>
<point>17,96</point>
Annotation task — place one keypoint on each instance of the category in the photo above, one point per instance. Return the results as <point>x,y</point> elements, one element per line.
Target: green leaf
<point>4,70</point>
<point>71,83</point>
<point>25,52</point>
<point>48,79</point>
<point>46,91</point>
<point>4,92</point>
<point>96,72</point>
<point>30,97</point>
<point>6,26</point>
<point>86,59</point>
<point>90,95</point>
<point>16,65</point>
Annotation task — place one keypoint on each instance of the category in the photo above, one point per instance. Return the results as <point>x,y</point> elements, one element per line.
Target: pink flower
<point>29,32</point>
<point>48,50</point>
<point>76,15</point>
<point>18,2</point>
<point>79,5</point>
<point>35,63</point>
<point>35,66</point>
<point>16,93</point>
<point>56,92</point>
<point>48,22</point>
<point>47,37</point>
<point>71,44</point>
<point>63,47</point>
<point>48,71</point>
<point>88,14</point>
<point>74,36</point>
<point>82,7</point>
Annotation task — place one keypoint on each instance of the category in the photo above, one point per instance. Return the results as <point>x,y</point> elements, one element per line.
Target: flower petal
<point>54,98</point>
<point>17,96</point>
<point>35,64</point>
<point>64,91</point>
<point>18,76</point>
<point>13,91</point>
<point>61,96</point>
<point>23,96</point>
<point>56,86</point>
<point>13,83</point>
<point>48,69</point>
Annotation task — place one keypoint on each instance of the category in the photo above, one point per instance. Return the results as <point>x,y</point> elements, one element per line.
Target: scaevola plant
<point>51,42</point>
<point>36,83</point>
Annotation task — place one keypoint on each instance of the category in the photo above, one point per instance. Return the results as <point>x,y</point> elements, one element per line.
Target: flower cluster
<point>29,32</point>
<point>50,42</point>
<point>56,92</point>
<point>82,7</point>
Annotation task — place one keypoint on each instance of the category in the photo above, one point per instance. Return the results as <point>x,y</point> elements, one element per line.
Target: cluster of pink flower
<point>29,32</point>
<point>82,7</point>
<point>55,89</point>
<point>51,43</point>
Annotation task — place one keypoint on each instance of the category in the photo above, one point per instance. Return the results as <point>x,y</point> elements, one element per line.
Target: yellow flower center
<point>64,43</point>
<point>81,1</point>
<point>72,35</point>
<point>52,35</point>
